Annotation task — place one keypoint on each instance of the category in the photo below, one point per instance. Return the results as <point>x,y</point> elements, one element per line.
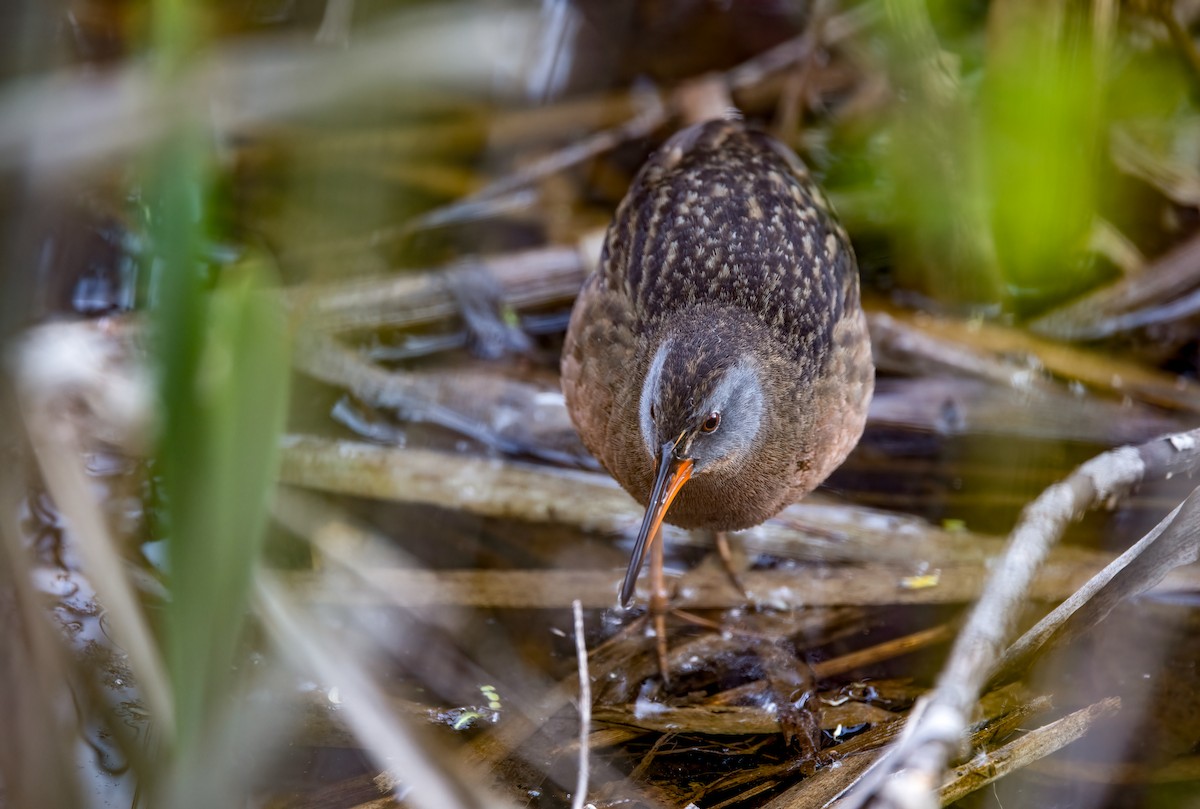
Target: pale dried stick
<point>585,708</point>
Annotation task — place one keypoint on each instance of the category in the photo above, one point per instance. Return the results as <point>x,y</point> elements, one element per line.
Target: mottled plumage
<point>725,280</point>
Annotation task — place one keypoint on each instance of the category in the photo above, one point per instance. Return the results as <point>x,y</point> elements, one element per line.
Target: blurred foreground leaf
<point>224,380</point>
<point>997,154</point>
<point>1043,131</point>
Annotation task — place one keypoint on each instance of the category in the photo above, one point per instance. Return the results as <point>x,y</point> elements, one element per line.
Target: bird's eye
<point>711,423</point>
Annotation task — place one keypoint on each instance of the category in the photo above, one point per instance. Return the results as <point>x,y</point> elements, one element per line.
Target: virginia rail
<point>717,361</point>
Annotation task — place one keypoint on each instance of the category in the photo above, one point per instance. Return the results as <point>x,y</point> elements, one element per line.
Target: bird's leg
<point>726,553</point>
<point>658,604</point>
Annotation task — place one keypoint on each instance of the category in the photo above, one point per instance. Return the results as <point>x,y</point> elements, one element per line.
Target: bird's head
<point>701,409</point>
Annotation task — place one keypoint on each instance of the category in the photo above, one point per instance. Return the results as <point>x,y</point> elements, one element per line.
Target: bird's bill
<point>673,472</point>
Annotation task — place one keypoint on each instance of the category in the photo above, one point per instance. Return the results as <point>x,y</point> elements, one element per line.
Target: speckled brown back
<point>723,215</point>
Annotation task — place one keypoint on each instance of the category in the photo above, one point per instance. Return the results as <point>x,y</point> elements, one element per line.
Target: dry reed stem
<point>992,765</point>
<point>995,346</point>
<point>585,707</point>
<point>815,529</point>
<point>68,121</point>
<point>810,586</point>
<point>1100,313</point>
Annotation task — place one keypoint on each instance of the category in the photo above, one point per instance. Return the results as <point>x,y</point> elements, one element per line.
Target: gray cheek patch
<point>650,389</point>
<point>739,398</point>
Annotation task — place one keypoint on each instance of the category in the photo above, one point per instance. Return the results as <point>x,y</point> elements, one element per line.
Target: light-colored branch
<point>815,529</point>
<point>936,725</point>
<point>1173,542</point>
<point>540,276</point>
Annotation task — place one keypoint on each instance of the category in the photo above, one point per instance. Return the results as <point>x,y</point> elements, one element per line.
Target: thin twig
<point>872,655</point>
<point>585,708</point>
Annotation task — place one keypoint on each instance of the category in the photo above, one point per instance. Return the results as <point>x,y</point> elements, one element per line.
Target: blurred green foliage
<point>224,380</point>
<point>221,348</point>
<point>939,232</point>
<point>996,146</point>
<point>1043,129</point>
